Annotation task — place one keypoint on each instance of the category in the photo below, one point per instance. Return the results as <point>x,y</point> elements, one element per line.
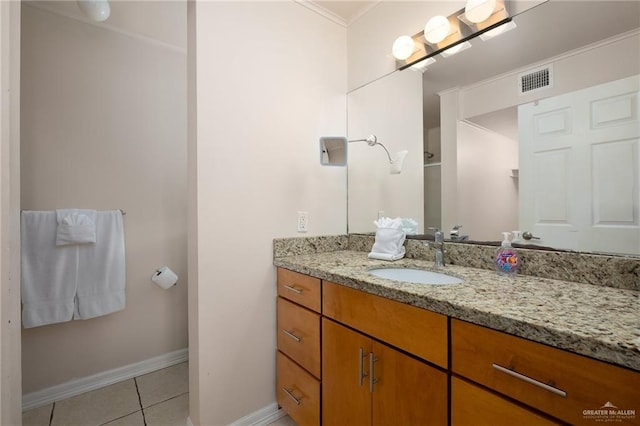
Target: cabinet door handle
<point>372,380</point>
<point>293,289</point>
<point>361,373</point>
<point>292,396</point>
<point>293,336</point>
<point>530,380</point>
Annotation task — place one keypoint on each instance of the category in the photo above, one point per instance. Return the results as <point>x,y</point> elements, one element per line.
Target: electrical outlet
<point>303,221</point>
<point>380,213</point>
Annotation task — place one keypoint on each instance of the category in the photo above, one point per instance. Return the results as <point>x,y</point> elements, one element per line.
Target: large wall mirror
<point>481,174</point>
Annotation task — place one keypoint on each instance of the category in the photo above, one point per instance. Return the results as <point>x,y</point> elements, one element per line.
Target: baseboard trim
<point>261,417</point>
<point>106,378</point>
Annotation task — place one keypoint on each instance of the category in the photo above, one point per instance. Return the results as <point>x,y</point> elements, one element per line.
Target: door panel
<point>345,398</point>
<point>407,391</point>
<point>579,181</point>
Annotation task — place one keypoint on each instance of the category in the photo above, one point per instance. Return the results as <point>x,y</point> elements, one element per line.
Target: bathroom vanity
<point>357,349</point>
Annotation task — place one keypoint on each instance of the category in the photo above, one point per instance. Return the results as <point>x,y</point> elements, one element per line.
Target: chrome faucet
<point>438,245</point>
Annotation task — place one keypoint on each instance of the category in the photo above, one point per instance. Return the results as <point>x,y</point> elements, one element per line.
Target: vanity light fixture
<point>443,33</point>
<point>396,162</point>
<point>456,49</point>
<point>403,47</point>
<point>436,29</point>
<point>477,11</point>
<point>498,30</point>
<point>97,10</point>
<point>423,65</point>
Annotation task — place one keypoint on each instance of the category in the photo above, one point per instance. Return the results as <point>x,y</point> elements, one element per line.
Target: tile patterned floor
<point>160,398</point>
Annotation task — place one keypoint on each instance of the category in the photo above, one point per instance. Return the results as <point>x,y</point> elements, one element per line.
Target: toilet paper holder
<point>164,277</point>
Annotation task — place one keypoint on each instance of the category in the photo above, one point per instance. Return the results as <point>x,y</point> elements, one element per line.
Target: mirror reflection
<point>333,151</point>
<point>473,148</point>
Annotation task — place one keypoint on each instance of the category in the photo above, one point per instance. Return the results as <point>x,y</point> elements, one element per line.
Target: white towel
<point>48,272</point>
<point>75,227</point>
<point>80,281</point>
<point>101,269</point>
<point>389,242</point>
<point>387,256</point>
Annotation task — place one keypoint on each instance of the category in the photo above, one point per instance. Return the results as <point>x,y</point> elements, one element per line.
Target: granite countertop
<point>599,322</point>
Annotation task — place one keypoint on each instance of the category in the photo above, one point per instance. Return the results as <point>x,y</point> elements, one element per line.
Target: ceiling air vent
<point>534,80</point>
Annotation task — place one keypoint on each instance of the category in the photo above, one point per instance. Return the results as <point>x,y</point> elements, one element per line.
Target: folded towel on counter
<point>387,222</point>
<point>75,227</point>
<point>389,242</point>
<point>386,256</point>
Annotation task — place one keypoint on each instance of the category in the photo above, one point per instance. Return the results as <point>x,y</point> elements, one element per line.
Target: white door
<point>579,168</point>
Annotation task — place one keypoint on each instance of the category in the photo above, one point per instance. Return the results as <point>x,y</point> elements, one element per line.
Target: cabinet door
<point>471,405</point>
<point>345,388</point>
<point>406,391</point>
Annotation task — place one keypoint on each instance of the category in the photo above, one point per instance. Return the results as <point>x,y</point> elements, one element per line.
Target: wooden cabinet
<point>366,382</point>
<point>346,357</point>
<point>298,391</point>
<point>298,357</point>
<point>299,335</point>
<point>472,405</point>
<point>415,330</point>
<point>565,385</point>
<point>365,379</point>
<point>299,288</point>
<point>345,387</point>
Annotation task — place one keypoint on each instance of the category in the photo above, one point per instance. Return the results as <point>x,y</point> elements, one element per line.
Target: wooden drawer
<point>299,335</point>
<point>417,331</point>
<point>472,405</point>
<point>300,288</point>
<point>557,382</point>
<point>298,392</point>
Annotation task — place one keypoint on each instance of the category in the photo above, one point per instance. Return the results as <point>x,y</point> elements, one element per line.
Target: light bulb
<point>478,10</point>
<point>403,47</point>
<point>98,10</point>
<point>437,29</point>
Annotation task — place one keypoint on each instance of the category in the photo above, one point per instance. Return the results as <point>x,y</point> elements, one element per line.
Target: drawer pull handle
<point>293,336</point>
<point>293,289</point>
<point>292,396</point>
<point>530,380</point>
<point>361,373</point>
<point>372,380</point>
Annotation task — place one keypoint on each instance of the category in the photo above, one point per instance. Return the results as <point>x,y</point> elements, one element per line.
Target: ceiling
<point>347,11</point>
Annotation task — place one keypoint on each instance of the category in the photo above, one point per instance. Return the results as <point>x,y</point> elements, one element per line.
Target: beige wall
<point>10,379</point>
<point>104,127</point>
<point>271,79</point>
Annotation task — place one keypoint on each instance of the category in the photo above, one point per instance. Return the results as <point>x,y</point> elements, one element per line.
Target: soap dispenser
<point>506,260</point>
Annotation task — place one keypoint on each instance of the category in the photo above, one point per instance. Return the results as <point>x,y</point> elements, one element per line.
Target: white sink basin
<point>416,276</point>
